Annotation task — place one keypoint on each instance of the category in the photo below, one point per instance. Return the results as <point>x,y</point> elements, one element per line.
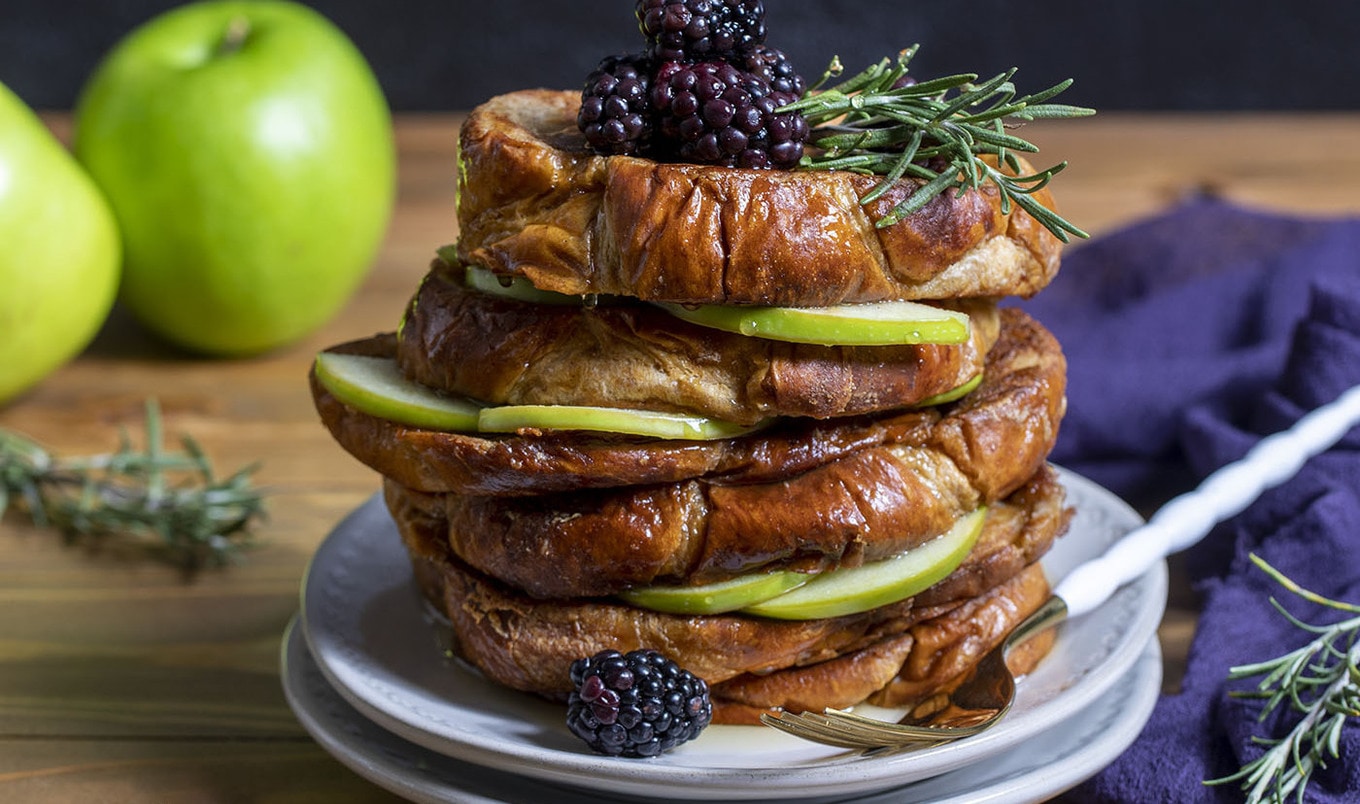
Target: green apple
<point>376,386</point>
<point>715,598</point>
<point>516,287</point>
<point>953,394</point>
<point>854,589</point>
<point>59,251</point>
<point>247,152</point>
<point>873,324</point>
<point>626,421</point>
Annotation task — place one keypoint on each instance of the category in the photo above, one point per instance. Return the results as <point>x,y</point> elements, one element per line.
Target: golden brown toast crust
<point>528,644</point>
<point>998,433</point>
<point>931,657</point>
<point>508,352</point>
<point>533,201</point>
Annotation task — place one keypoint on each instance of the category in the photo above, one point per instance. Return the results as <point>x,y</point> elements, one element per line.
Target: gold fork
<point>984,698</point>
<point>970,709</point>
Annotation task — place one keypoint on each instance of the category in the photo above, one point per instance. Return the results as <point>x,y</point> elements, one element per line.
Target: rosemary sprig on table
<point>169,503</point>
<point>883,123</point>
<point>1321,681</point>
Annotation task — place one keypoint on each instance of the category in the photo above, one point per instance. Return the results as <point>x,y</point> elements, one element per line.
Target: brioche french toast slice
<point>527,644</point>
<point>505,351</point>
<point>1010,420</point>
<point>535,202</point>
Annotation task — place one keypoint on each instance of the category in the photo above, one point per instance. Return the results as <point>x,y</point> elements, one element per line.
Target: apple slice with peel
<point>854,589</point>
<point>715,598</point>
<point>375,386</point>
<point>513,287</point>
<point>953,394</point>
<point>873,324</point>
<point>627,421</point>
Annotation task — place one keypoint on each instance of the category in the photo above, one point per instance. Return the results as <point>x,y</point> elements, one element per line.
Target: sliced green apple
<point>715,598</point>
<point>953,394</point>
<point>375,386</point>
<point>886,323</point>
<point>855,589</point>
<point>627,421</point>
<point>514,287</point>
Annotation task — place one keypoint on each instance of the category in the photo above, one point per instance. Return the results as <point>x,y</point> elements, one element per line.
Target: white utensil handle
<point>1186,519</point>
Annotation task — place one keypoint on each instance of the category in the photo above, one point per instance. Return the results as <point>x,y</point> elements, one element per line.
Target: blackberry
<point>715,113</point>
<point>615,114</point>
<point>695,30</point>
<point>637,704</point>
<point>773,66</point>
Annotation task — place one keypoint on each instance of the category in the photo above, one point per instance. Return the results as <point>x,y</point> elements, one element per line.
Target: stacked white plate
<point>367,670</point>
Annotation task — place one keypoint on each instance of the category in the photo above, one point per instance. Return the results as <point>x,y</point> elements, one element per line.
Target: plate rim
<point>793,780</point>
<point>1141,683</point>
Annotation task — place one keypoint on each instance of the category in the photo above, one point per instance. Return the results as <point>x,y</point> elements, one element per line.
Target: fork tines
<point>848,730</point>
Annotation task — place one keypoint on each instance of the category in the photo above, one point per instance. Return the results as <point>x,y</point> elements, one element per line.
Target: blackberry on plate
<point>700,29</point>
<point>717,114</point>
<point>637,704</point>
<point>615,114</point>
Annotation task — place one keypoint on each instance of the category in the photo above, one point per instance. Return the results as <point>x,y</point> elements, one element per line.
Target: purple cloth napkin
<point>1189,337</point>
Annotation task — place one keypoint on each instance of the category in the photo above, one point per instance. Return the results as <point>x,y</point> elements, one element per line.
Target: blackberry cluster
<point>704,91</point>
<point>700,29</point>
<point>774,67</point>
<point>637,704</point>
<point>717,114</point>
<point>615,114</point>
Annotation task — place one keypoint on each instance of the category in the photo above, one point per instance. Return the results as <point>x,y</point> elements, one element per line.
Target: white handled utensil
<point>1182,522</point>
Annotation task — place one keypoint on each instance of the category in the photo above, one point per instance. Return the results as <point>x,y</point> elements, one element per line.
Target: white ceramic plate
<point>376,644</point>
<point>1050,763</point>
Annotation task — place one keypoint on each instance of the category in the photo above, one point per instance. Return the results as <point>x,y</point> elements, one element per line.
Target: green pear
<point>248,154</point>
<point>60,253</point>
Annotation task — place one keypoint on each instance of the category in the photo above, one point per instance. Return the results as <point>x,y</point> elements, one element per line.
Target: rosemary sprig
<point>878,122</point>
<point>169,503</point>
<point>1320,680</point>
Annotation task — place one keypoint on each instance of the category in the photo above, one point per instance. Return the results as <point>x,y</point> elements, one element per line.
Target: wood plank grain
<point>1126,166</point>
<point>178,772</point>
<point>121,680</point>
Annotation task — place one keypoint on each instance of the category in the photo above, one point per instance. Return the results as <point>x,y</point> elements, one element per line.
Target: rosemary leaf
<point>877,114</point>
<point>999,139</point>
<point>165,502</point>
<point>1050,111</point>
<point>920,198</point>
<point>1319,681</point>
<point>937,86</point>
<point>853,140</point>
<point>898,170</point>
<point>976,95</point>
<point>1037,98</point>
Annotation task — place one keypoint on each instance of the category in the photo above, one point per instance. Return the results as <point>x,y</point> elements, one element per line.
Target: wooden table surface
<point>120,681</point>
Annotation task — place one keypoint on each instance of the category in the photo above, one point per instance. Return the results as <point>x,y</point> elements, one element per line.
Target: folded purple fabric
<point>1189,337</point>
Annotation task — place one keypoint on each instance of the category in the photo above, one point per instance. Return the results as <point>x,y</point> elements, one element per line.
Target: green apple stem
<point>238,29</point>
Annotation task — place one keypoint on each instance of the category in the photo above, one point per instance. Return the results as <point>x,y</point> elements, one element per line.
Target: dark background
<point>1137,54</point>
